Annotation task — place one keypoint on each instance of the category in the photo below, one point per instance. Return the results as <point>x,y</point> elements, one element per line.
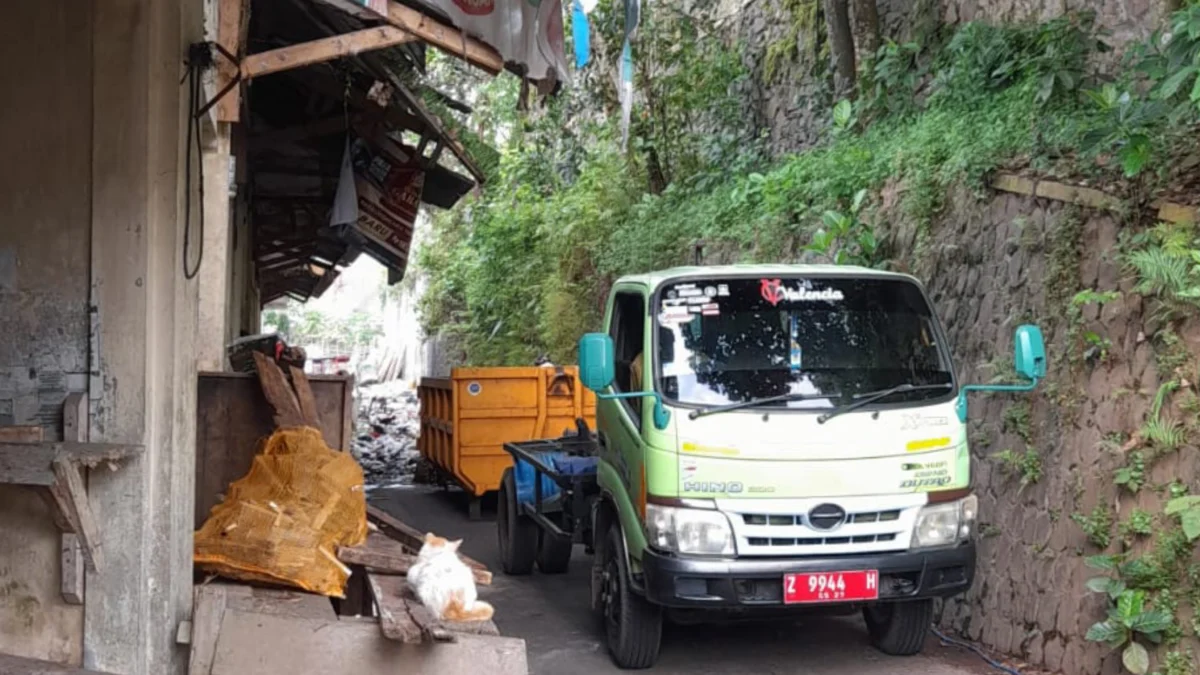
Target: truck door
<point>622,419</point>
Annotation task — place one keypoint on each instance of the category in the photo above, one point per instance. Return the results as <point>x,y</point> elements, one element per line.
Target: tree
<point>866,29</point>
<point>841,44</point>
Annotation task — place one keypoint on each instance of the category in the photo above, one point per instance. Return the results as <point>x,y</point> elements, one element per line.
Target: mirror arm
<point>661,415</point>
<point>961,405</point>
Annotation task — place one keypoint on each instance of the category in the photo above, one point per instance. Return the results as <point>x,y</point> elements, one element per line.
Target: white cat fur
<point>445,584</point>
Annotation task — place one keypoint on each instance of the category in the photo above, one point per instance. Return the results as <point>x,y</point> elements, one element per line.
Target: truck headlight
<point>945,524</point>
<point>689,531</point>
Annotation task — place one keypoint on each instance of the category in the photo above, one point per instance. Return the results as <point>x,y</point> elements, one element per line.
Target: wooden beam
<point>434,32</point>
<point>394,620</point>
<point>304,395</point>
<point>318,129</point>
<point>72,500</point>
<point>410,537</point>
<point>33,463</point>
<point>278,393</point>
<point>75,428</point>
<point>25,433</point>
<point>325,49</point>
<point>230,15</point>
<point>383,555</point>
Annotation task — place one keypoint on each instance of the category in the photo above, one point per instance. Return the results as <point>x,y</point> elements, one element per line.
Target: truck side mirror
<point>596,361</point>
<point>1029,353</point>
<point>1029,360</point>
<point>597,370</point>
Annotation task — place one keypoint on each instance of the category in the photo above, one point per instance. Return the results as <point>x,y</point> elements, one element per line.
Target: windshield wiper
<point>871,397</point>
<point>755,402</point>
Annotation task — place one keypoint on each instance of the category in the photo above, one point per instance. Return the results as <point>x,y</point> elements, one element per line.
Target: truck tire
<point>899,628</point>
<point>633,625</point>
<point>518,534</point>
<point>554,553</point>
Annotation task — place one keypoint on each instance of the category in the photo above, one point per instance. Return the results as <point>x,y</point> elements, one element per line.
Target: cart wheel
<point>554,553</point>
<point>633,625</point>
<point>518,534</point>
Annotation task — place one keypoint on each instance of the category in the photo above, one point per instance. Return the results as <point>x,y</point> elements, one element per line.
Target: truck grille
<point>783,527</point>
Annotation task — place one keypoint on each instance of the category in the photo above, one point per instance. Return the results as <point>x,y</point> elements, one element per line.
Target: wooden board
<point>413,539</point>
<point>254,644</point>
<point>383,555</point>
<point>15,665</point>
<point>233,416</point>
<point>394,595</point>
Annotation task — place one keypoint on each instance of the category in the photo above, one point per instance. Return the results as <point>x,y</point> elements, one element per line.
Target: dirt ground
<point>551,614</point>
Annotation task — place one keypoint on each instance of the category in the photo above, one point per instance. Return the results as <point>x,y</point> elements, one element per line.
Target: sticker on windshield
<point>710,291</point>
<point>712,309</point>
<point>723,290</point>
<point>775,292</point>
<point>675,316</point>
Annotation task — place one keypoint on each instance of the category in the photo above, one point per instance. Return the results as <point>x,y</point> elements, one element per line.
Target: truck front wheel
<point>518,534</point>
<point>899,628</point>
<point>633,625</point>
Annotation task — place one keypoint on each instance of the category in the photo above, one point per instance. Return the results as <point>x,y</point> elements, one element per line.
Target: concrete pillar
<point>215,272</point>
<point>146,326</point>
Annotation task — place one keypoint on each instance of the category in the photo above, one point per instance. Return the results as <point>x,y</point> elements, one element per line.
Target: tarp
<point>284,520</point>
<point>527,32</point>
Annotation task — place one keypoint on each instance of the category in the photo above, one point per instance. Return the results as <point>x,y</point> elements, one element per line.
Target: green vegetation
<point>1097,525</point>
<point>1027,465</point>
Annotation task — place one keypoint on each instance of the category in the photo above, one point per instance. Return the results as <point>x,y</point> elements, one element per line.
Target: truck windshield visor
<point>822,339</point>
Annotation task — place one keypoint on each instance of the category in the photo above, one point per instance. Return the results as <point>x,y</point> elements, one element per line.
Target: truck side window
<point>627,331</point>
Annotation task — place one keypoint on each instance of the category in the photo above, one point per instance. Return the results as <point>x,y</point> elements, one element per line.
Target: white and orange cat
<point>445,584</point>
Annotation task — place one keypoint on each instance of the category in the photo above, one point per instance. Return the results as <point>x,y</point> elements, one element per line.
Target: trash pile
<point>389,421</point>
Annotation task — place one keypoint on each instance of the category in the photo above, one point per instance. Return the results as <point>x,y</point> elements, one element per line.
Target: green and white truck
<point>770,439</point>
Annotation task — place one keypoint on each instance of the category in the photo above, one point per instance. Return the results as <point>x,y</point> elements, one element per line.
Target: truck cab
<point>774,439</point>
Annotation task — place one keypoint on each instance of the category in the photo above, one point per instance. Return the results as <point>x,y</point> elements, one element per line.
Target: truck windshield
<point>823,339</point>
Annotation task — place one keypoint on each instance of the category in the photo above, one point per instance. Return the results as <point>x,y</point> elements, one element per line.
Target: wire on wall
<point>199,59</point>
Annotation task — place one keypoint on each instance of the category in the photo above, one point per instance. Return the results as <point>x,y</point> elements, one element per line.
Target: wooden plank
<point>279,394</point>
<point>16,665</point>
<point>252,644</point>
<point>229,35</point>
<point>72,500</point>
<point>394,622</point>
<point>382,555</point>
<point>28,433</point>
<point>207,615</point>
<point>73,565</point>
<point>304,396</point>
<point>1075,194</point>
<point>277,602</point>
<point>398,589</point>
<point>434,32</point>
<point>347,415</point>
<point>31,463</point>
<point>75,428</point>
<point>1012,183</point>
<point>325,49</point>
<point>414,539</point>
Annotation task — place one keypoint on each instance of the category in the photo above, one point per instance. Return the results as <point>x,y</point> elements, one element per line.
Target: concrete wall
<point>91,213</point>
<point>45,204</point>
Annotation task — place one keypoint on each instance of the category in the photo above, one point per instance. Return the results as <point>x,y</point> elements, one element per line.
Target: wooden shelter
<point>303,76</point>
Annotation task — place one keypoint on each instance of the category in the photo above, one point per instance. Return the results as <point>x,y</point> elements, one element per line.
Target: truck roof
<point>654,279</point>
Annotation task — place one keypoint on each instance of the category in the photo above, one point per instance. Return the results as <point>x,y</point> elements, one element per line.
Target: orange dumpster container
<point>466,419</point>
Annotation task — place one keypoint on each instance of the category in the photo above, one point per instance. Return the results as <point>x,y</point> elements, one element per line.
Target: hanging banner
<point>527,32</point>
<point>582,34</point>
<point>633,12</point>
<point>388,187</point>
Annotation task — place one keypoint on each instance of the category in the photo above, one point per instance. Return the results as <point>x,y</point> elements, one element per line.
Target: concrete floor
<point>563,638</point>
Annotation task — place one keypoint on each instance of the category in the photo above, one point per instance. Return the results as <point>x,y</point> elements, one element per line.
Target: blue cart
<point>545,501</point>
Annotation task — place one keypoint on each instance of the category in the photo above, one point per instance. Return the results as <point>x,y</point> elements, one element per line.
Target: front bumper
<point>673,581</point>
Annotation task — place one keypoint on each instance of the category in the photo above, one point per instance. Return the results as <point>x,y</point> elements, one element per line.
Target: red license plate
<point>831,587</point>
